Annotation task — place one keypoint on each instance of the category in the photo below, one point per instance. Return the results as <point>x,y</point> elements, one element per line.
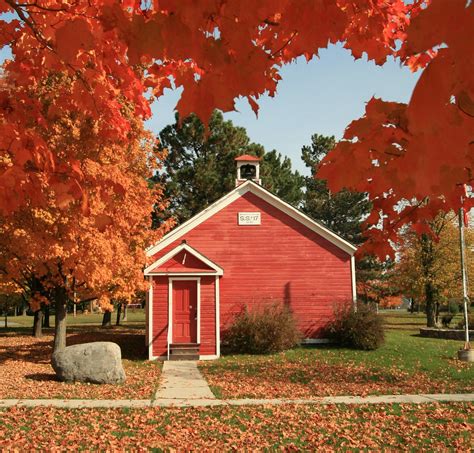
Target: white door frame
<point>170,308</point>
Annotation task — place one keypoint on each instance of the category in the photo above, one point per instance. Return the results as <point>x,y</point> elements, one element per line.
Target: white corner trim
<point>217,269</point>
<point>250,186</point>
<point>218,316</point>
<point>353,280</point>
<point>208,357</point>
<point>170,318</point>
<point>149,313</point>
<point>198,334</point>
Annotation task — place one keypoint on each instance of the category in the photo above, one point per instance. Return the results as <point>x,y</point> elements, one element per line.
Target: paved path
<point>182,380</point>
<point>201,402</point>
<point>182,385</point>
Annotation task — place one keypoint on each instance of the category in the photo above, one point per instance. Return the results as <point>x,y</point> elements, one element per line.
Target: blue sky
<point>322,96</point>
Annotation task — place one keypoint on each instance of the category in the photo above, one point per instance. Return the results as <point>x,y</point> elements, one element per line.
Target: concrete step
<point>187,351</point>
<point>184,351</point>
<point>184,345</point>
<point>184,356</point>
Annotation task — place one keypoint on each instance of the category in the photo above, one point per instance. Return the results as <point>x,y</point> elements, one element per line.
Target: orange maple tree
<point>53,250</point>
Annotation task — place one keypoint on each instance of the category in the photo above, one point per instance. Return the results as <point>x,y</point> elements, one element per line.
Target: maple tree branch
<point>30,23</point>
<point>271,22</point>
<point>43,8</point>
<point>90,299</point>
<point>406,213</point>
<point>288,42</point>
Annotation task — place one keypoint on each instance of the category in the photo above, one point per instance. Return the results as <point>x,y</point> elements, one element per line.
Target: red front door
<point>184,311</point>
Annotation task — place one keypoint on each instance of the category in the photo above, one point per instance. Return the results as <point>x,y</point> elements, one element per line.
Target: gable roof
<point>259,191</point>
<point>152,269</point>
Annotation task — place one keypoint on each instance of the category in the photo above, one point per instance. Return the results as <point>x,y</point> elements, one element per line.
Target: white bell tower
<point>248,167</point>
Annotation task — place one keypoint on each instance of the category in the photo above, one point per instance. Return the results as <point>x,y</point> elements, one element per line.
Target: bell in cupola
<point>248,171</point>
<point>248,167</point>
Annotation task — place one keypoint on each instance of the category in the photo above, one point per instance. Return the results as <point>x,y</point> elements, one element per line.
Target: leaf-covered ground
<point>434,427</point>
<point>405,364</point>
<point>26,372</point>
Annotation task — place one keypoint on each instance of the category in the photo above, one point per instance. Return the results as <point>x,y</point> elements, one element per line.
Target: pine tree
<point>342,212</point>
<point>200,167</point>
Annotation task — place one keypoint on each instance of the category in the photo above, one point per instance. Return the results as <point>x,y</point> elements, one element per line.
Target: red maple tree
<point>411,159</point>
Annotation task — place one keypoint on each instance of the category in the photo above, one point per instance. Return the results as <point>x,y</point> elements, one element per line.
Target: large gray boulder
<point>99,362</point>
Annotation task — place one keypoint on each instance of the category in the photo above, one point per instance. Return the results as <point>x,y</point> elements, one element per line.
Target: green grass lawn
<point>391,427</point>
<point>134,316</point>
<point>406,363</point>
<point>403,320</point>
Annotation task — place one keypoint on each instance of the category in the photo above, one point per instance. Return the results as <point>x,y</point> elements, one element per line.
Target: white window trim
<point>217,269</point>
<point>250,186</point>
<point>170,308</point>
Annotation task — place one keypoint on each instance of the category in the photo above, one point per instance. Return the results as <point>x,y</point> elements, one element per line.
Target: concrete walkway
<point>202,402</point>
<point>182,385</point>
<point>183,381</point>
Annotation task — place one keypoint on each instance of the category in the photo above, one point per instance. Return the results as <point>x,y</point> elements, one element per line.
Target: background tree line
<point>200,168</point>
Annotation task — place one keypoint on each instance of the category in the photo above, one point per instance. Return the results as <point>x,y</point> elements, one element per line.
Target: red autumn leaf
<point>74,36</point>
<point>102,221</point>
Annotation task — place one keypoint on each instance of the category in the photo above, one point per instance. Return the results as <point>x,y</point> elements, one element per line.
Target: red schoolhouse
<point>248,248</point>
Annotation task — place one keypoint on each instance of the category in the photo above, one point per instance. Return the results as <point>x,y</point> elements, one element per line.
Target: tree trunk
<point>430,305</point>
<point>107,319</point>
<point>38,324</point>
<point>46,317</point>
<point>124,318</point>
<point>119,313</point>
<point>427,262</point>
<point>6,319</point>
<point>60,320</point>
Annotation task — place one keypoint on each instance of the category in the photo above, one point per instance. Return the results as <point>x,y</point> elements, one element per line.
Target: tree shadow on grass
<point>131,342</point>
<point>42,377</point>
<point>21,347</point>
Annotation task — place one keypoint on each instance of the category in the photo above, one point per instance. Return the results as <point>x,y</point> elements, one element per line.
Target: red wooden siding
<point>160,316</point>
<point>280,260</point>
<point>183,262</point>
<point>208,316</point>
